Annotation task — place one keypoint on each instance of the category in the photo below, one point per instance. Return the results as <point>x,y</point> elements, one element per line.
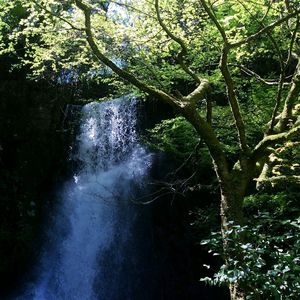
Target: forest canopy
<point>230,69</point>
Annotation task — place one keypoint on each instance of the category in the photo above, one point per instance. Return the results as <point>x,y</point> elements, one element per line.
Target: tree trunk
<point>236,293</point>
<point>232,193</point>
<point>233,190</point>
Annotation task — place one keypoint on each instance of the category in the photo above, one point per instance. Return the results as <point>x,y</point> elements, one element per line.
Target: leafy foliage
<point>241,57</point>
<point>267,263</point>
<point>175,136</point>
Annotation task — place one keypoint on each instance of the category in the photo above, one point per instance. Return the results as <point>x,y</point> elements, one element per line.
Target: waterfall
<point>90,251</point>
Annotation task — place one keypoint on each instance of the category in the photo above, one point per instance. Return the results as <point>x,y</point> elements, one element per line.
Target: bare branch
<point>274,180</point>
<point>199,93</point>
<point>133,8</point>
<point>264,30</point>
<point>183,52</point>
<point>288,5</point>
<point>195,150</point>
<point>249,72</point>
<point>57,16</point>
<point>177,187</point>
<point>240,126</point>
<point>122,73</point>
<point>208,109</point>
<point>283,67</point>
<point>210,13</point>
<point>293,39</point>
<point>271,140</point>
<point>138,201</point>
<point>291,98</point>
<point>277,103</point>
<point>206,131</point>
<point>186,108</point>
<point>267,11</point>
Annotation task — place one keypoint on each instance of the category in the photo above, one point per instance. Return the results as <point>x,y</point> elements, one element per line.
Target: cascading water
<point>91,252</point>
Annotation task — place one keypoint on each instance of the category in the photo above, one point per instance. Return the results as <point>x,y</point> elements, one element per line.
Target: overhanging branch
<point>58,17</point>
<point>290,100</point>
<point>186,108</point>
<point>273,139</point>
<point>264,30</point>
<point>240,126</point>
<point>215,21</point>
<point>274,180</point>
<point>122,73</point>
<point>249,72</point>
<point>200,92</point>
<point>183,52</point>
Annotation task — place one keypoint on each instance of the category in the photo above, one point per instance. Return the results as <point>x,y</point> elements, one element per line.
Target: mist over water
<point>92,247</point>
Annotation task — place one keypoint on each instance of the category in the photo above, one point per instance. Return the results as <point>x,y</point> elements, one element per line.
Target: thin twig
<point>56,16</point>
<point>267,11</point>
<point>183,52</point>
<point>264,30</point>
<point>130,7</point>
<point>249,72</point>
<point>196,148</point>
<point>240,125</point>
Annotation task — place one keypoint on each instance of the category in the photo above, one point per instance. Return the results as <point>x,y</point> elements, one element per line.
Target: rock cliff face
<point>31,156</point>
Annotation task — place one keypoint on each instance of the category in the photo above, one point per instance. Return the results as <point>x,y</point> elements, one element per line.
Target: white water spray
<point>94,221</point>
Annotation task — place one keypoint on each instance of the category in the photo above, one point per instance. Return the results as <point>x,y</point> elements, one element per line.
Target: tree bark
<point>236,292</point>
<point>231,212</point>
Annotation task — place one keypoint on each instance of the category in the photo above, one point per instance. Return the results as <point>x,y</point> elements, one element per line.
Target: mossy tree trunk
<point>231,212</point>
